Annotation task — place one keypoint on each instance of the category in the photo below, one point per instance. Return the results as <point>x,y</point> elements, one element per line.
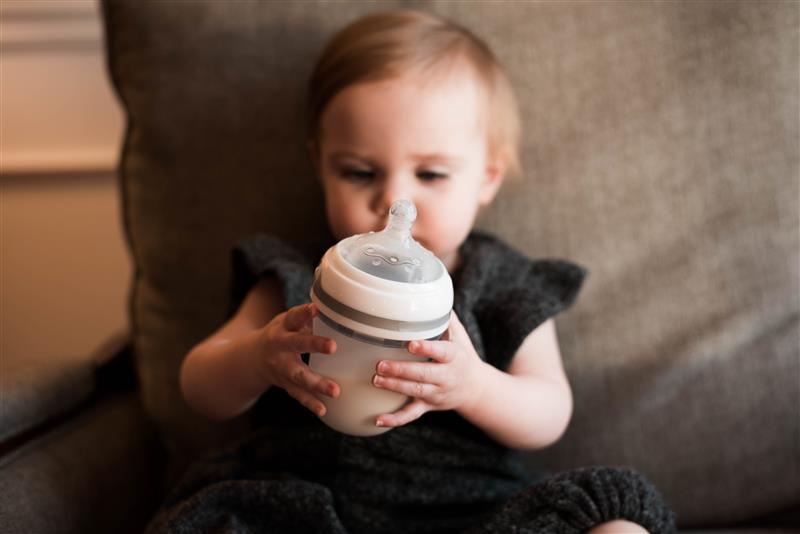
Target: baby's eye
<point>358,175</point>
<point>430,176</point>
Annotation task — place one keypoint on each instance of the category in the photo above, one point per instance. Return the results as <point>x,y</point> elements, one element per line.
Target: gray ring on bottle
<point>381,342</point>
<point>374,320</point>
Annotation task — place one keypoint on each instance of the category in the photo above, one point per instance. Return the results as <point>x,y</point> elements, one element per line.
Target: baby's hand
<point>450,381</point>
<point>284,339</point>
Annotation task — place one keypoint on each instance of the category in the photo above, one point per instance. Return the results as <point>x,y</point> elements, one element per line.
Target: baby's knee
<point>618,527</point>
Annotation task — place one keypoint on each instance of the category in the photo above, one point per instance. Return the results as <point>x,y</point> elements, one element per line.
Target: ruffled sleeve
<point>261,255</point>
<point>518,295</point>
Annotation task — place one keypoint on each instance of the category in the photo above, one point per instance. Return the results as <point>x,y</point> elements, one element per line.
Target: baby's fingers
<point>299,316</point>
<point>306,399</point>
<point>406,387</point>
<point>298,343</point>
<point>410,412</point>
<point>302,376</point>
<point>441,351</point>
<point>306,386</point>
<point>427,372</point>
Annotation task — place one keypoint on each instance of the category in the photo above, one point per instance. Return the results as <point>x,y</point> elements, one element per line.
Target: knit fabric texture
<point>438,474</point>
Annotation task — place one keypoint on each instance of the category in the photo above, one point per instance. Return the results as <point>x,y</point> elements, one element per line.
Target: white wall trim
<point>58,112</point>
<point>29,25</point>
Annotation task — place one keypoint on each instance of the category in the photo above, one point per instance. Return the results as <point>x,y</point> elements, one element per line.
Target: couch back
<point>660,150</point>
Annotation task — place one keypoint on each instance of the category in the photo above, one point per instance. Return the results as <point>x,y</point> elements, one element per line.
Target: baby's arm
<point>257,348</point>
<point>528,407</point>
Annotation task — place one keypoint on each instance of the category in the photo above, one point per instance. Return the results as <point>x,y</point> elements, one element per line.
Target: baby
<point>403,105</point>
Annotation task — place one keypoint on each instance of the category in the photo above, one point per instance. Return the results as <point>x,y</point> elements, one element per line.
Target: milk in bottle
<point>375,292</point>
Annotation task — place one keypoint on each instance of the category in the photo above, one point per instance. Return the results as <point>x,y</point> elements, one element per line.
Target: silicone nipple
<point>402,215</point>
<point>392,253</point>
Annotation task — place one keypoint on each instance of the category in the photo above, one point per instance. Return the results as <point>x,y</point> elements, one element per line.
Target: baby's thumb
<point>455,329</point>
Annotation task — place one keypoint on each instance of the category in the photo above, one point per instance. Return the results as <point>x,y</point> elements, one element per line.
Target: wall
<point>64,266</point>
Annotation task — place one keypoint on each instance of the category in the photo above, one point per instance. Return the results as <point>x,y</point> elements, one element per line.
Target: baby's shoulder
<point>483,247</point>
<point>259,255</point>
<point>497,265</point>
<point>510,295</point>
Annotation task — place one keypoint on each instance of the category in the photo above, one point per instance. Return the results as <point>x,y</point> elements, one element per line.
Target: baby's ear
<point>495,173</point>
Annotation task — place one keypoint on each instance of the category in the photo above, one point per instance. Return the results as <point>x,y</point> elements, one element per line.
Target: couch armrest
<point>98,471</point>
<point>35,392</point>
<point>83,457</point>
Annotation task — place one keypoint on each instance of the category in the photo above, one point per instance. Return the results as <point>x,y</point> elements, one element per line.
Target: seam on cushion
<point>110,42</point>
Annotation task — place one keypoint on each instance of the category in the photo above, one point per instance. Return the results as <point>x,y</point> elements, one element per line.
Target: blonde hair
<point>385,44</point>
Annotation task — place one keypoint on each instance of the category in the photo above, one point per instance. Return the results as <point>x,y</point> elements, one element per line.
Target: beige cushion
<point>661,151</point>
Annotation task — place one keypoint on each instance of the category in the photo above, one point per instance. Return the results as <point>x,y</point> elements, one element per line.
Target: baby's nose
<point>396,186</point>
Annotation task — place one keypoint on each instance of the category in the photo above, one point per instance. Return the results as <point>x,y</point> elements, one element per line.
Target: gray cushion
<point>661,150</point>
<point>97,473</point>
<point>35,390</point>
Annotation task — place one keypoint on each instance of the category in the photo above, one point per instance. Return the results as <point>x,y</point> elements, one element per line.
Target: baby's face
<point>408,137</point>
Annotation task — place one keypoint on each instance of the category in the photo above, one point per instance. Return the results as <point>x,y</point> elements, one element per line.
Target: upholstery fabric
<point>33,391</point>
<point>660,150</point>
<point>99,472</point>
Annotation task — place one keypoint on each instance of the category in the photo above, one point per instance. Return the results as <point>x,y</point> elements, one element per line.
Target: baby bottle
<point>375,292</point>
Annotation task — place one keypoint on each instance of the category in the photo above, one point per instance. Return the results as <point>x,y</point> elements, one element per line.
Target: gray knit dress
<point>438,474</point>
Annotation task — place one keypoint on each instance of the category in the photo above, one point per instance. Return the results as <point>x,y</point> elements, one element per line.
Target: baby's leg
<point>618,527</point>
<point>597,500</point>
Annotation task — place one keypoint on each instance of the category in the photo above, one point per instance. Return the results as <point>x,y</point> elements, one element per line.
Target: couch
<point>660,148</point>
